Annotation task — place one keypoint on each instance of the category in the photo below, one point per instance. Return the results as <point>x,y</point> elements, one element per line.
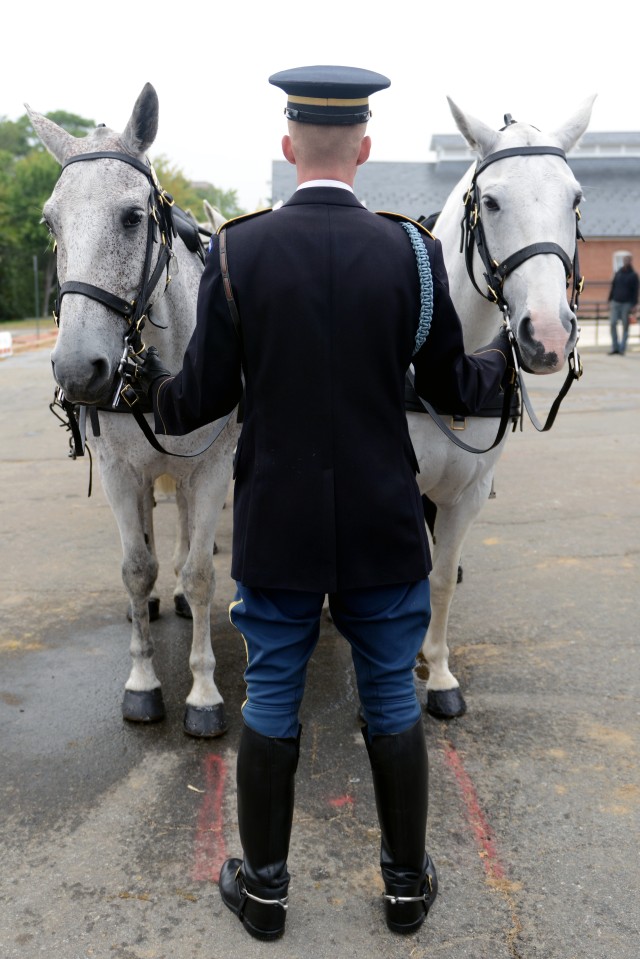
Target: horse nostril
<point>526,330</point>
<point>101,370</point>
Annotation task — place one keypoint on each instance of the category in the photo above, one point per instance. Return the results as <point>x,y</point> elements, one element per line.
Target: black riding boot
<point>255,888</point>
<point>400,780</point>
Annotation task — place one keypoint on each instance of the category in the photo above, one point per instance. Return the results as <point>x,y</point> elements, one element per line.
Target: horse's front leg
<point>204,714</point>
<point>180,553</point>
<point>444,698</point>
<point>132,507</point>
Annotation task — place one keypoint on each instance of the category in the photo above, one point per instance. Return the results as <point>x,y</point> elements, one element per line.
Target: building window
<point>618,257</point>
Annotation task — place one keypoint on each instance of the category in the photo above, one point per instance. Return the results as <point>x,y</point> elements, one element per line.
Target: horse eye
<point>132,218</point>
<point>577,200</point>
<point>490,203</point>
<point>48,225</point>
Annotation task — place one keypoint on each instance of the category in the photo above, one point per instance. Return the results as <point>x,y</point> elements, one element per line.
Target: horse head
<point>98,216</point>
<point>525,202</point>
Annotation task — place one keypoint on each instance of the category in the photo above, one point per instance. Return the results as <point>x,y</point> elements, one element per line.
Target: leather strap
<point>96,293</point>
<point>505,417</point>
<point>226,283</point>
<point>151,437</point>
<point>574,373</point>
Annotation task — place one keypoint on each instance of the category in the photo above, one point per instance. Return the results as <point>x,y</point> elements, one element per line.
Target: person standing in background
<point>623,299</point>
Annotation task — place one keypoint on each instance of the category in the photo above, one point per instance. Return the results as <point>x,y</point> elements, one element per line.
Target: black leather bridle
<point>495,273</point>
<point>162,230</point>
<point>161,227</point>
<point>473,235</point>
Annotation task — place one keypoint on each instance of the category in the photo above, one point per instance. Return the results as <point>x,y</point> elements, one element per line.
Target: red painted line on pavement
<point>210,849</point>
<point>340,801</point>
<point>477,820</point>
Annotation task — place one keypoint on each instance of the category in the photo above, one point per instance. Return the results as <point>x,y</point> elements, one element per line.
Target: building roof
<point>607,166</point>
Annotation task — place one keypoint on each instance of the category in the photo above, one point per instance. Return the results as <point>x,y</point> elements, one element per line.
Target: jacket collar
<point>324,194</point>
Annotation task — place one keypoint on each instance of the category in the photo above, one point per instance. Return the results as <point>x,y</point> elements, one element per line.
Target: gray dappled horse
<point>101,213</point>
<point>526,200</point>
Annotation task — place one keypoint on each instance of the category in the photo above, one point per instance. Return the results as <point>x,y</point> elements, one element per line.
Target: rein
<point>165,221</point>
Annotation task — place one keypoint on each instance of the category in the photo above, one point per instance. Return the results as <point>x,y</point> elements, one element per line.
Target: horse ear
<point>57,141</point>
<point>213,215</point>
<point>571,131</point>
<point>142,128</point>
<point>478,135</point>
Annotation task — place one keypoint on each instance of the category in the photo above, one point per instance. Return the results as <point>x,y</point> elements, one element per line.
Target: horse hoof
<point>446,703</point>
<point>143,706</point>
<point>205,722</point>
<point>154,609</point>
<point>182,606</point>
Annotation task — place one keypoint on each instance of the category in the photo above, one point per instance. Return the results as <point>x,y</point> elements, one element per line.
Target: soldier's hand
<point>150,368</point>
<point>501,343</point>
<point>141,374</point>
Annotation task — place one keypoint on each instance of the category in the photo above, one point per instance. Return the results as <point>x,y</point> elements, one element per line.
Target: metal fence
<point>593,319</point>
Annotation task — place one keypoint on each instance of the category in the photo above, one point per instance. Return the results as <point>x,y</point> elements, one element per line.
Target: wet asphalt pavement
<point>112,834</point>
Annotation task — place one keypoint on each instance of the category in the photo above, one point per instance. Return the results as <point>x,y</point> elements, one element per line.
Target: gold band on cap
<point>328,101</point>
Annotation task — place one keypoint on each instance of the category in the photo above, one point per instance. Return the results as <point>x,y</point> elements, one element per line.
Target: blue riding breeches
<point>385,627</point>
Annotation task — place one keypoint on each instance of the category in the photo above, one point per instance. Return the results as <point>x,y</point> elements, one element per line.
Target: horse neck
<point>176,310</point>
<point>479,318</point>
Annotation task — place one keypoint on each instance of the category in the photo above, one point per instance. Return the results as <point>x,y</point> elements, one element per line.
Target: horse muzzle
<point>85,380</point>
<point>544,346</point>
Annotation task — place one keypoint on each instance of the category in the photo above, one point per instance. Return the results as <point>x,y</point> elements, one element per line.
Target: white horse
<point>111,223</point>
<point>524,198</point>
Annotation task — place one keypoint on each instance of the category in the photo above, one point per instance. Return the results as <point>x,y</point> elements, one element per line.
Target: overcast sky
<point>221,120</point>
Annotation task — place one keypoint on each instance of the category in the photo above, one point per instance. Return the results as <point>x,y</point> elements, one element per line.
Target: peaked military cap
<point>328,94</point>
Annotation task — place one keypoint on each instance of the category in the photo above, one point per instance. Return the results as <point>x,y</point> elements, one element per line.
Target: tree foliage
<point>190,196</point>
<point>27,177</point>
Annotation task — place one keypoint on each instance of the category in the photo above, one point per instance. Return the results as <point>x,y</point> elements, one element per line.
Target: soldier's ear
<point>365,150</point>
<point>287,149</point>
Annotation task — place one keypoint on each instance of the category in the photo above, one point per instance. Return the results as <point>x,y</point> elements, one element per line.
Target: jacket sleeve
<point>209,385</point>
<point>445,375</point>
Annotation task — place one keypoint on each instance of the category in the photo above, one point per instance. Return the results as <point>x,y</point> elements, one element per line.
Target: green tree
<point>14,136</point>
<point>25,184</point>
<point>28,174</point>
<point>189,196</point>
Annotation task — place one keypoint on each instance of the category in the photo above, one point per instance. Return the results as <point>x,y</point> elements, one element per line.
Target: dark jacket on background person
<point>624,287</point>
<point>329,298</point>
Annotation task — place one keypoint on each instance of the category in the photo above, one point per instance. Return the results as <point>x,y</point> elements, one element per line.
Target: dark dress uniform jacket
<point>329,299</point>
